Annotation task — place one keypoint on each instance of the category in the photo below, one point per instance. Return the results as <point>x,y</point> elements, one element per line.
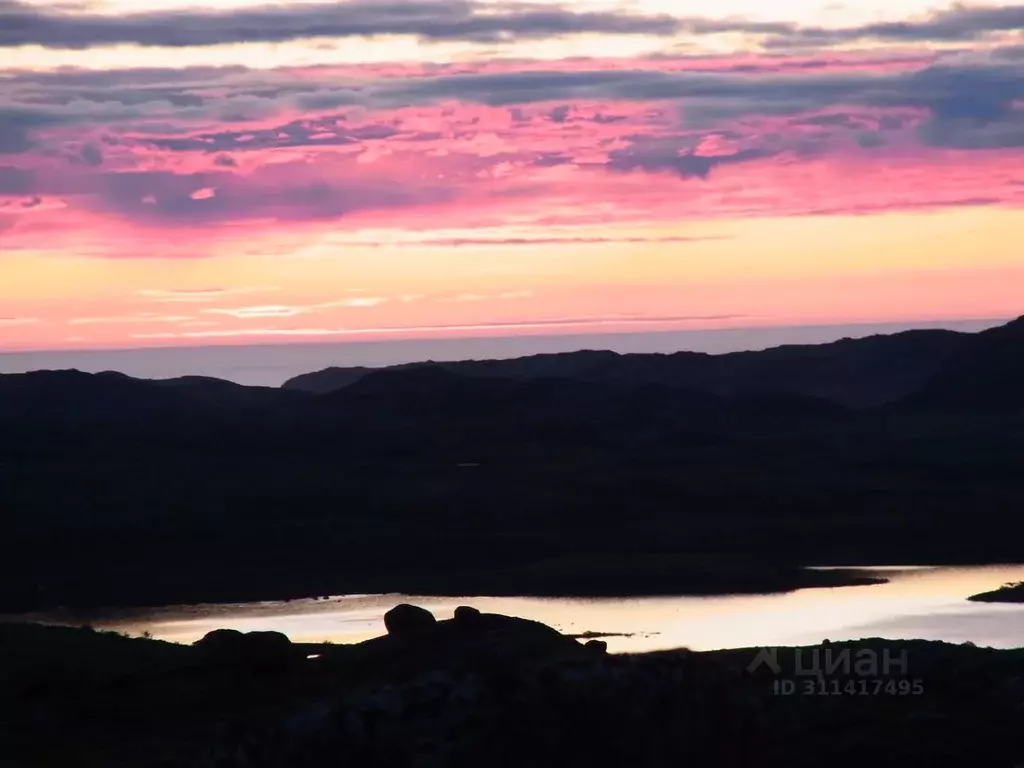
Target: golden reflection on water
<point>926,603</point>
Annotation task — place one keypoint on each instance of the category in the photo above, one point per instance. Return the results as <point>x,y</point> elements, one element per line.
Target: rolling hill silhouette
<point>451,478</point>
<point>854,372</point>
<point>987,372</point>
<point>72,396</point>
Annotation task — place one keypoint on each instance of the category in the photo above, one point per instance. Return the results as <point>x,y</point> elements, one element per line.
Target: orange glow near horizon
<point>905,267</point>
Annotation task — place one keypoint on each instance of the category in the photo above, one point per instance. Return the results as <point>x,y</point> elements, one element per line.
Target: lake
<point>918,602</point>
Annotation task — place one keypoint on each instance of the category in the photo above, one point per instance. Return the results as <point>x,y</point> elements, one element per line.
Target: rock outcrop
<point>234,648</point>
<point>407,619</point>
<point>466,614</point>
<point>418,644</point>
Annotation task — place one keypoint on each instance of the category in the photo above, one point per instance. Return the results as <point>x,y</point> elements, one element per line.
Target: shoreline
<point>1007,594</point>
<point>747,583</point>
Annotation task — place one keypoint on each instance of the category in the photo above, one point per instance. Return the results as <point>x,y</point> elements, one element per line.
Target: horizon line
<point>314,341</point>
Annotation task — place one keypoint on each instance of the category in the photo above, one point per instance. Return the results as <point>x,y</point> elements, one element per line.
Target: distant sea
<point>273,364</point>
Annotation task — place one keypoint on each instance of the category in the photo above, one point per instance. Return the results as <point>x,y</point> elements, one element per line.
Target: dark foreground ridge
<point>490,690</point>
<point>583,474</point>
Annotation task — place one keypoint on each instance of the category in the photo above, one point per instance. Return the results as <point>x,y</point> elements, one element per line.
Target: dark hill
<point>429,477</point>
<point>986,373</point>
<point>447,406</point>
<point>431,408</point>
<point>73,397</point>
<point>71,412</point>
<point>853,372</point>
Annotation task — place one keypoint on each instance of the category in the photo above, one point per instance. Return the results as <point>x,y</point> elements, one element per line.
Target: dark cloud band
<point>469,20</point>
<point>24,24</point>
<point>960,24</point>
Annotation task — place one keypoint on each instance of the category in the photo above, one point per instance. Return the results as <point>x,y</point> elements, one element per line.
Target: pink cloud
<point>650,139</point>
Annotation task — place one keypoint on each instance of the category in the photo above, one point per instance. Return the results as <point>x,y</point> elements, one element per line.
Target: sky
<point>175,174</point>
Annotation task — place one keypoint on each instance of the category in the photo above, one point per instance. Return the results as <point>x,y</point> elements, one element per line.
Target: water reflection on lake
<point>926,603</point>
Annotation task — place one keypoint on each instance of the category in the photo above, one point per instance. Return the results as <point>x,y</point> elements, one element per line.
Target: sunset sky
<point>190,173</point>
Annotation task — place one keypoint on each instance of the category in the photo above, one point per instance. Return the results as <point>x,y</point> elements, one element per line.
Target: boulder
<point>220,642</point>
<point>466,614</point>
<point>267,645</point>
<point>233,647</point>
<point>417,644</point>
<point>597,646</point>
<point>408,619</point>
